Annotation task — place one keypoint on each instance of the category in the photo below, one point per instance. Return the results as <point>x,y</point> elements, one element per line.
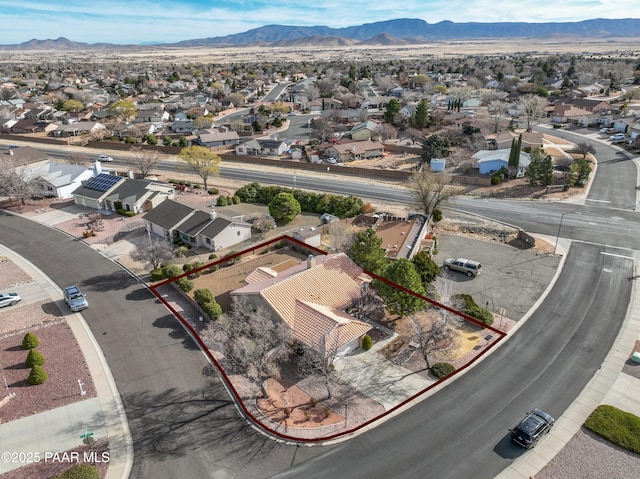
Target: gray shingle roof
<point>168,214</point>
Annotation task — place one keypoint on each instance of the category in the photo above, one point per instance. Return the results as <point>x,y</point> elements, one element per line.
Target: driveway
<point>512,279</point>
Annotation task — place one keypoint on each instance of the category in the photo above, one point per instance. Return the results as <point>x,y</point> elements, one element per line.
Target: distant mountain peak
<point>388,32</point>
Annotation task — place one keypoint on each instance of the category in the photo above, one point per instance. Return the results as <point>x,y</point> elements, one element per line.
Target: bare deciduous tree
<point>434,336</point>
<point>532,108</point>
<point>341,235</point>
<point>143,161</point>
<point>250,342</point>
<point>496,110</point>
<point>18,182</point>
<point>264,223</point>
<point>430,189</point>
<point>153,252</point>
<point>315,363</point>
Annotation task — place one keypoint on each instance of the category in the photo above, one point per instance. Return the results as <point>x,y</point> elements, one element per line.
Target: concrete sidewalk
<point>609,386</point>
<point>60,429</point>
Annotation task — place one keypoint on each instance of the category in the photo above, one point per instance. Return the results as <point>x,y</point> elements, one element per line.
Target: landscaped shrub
<point>37,375</point>
<point>213,256</point>
<point>171,271</point>
<point>212,309</point>
<point>221,201</point>
<point>181,251</point>
<point>187,267</point>
<point>127,213</point>
<point>436,216</point>
<point>157,274</point>
<point>202,296</point>
<point>236,200</point>
<point>30,341</point>
<point>117,205</point>
<point>620,427</point>
<point>213,191</point>
<point>441,370</point>
<point>185,284</point>
<point>367,342</point>
<point>34,357</point>
<point>195,266</point>
<point>80,471</point>
<point>475,311</point>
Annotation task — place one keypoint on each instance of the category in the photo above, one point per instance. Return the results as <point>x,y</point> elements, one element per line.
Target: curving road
<point>184,426</point>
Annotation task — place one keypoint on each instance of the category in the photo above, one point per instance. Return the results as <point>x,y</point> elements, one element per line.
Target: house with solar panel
<point>262,147</point>
<point>105,192</point>
<point>172,220</point>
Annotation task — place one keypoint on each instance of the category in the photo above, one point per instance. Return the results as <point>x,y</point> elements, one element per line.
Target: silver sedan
<point>9,299</point>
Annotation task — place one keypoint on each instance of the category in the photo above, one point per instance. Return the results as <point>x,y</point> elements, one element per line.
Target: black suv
<point>535,424</point>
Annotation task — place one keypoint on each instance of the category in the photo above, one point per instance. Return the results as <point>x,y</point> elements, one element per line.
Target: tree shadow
<point>177,330</point>
<point>117,280</point>
<point>203,422</point>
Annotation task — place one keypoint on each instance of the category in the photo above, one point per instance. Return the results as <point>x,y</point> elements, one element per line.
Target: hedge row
<point>340,206</point>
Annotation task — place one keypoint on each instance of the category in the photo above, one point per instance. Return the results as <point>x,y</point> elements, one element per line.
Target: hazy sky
<point>124,21</point>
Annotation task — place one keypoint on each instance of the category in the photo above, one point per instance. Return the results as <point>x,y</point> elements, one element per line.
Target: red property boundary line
<point>236,396</point>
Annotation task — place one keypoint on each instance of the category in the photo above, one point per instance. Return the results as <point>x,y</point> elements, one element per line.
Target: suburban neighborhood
<point>329,237</point>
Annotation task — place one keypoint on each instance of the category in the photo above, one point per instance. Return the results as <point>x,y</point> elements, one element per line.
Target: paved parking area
<point>511,278</point>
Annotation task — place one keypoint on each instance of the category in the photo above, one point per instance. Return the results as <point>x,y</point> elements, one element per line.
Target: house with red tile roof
<point>312,298</point>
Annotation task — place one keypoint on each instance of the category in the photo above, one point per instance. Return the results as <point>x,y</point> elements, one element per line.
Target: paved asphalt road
<point>181,419</point>
<point>183,425</point>
<point>463,431</point>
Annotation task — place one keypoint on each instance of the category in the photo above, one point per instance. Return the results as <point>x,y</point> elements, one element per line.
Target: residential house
<point>312,298</point>
<point>26,155</point>
<point>79,128</point>
<point>257,147</point>
<point>108,192</point>
<point>563,113</point>
<point>490,161</point>
<point>212,138</point>
<point>355,150</point>
<point>182,127</point>
<point>402,237</point>
<point>366,130</point>
<point>27,126</point>
<point>530,139</point>
<point>61,179</point>
<point>151,116</point>
<point>171,220</point>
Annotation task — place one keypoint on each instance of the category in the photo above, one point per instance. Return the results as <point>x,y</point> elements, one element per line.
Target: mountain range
<point>389,32</point>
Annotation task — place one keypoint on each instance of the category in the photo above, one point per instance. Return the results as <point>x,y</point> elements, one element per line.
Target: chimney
<point>97,168</point>
<point>11,152</point>
<point>213,214</point>
<point>311,261</point>
<point>130,175</point>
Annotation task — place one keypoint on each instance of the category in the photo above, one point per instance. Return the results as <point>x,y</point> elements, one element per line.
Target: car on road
<point>528,432</point>
<point>617,137</point>
<point>9,299</point>
<point>76,300</point>
<point>466,266</point>
<point>106,158</point>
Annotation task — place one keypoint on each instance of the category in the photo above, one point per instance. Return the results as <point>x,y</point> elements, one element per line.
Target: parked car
<point>534,425</point>
<point>617,137</point>
<point>9,299</point>
<point>607,131</point>
<point>106,158</point>
<point>333,161</point>
<point>466,266</point>
<point>76,300</point>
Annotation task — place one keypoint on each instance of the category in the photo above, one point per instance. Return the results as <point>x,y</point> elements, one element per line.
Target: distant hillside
<point>416,30</point>
<point>390,32</point>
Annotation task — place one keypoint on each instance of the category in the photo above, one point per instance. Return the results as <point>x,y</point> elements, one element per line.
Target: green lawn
<point>619,427</point>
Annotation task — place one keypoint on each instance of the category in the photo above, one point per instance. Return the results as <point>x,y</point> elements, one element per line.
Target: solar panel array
<point>103,182</point>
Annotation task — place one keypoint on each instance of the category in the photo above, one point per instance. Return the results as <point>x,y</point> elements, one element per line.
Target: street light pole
<point>560,227</point>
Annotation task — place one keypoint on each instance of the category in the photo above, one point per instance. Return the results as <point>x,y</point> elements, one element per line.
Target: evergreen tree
<point>367,251</point>
<point>420,117</point>
<point>403,273</point>
<point>393,108</point>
